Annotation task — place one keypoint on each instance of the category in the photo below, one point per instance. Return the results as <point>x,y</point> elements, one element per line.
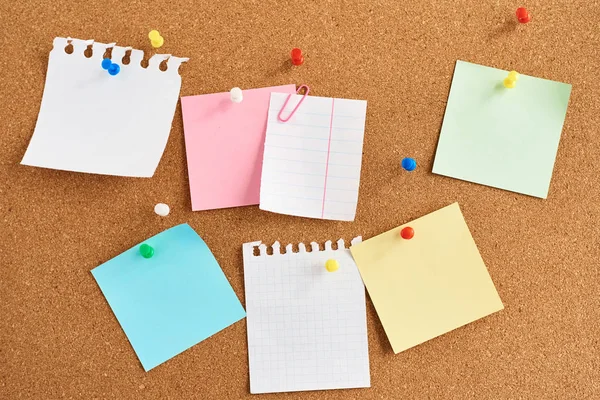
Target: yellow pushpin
<point>511,80</point>
<point>155,39</point>
<point>332,265</point>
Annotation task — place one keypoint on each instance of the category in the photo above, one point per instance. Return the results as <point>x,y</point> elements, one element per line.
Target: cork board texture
<point>58,336</point>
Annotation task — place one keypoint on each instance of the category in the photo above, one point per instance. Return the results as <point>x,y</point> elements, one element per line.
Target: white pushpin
<point>162,209</point>
<point>236,95</point>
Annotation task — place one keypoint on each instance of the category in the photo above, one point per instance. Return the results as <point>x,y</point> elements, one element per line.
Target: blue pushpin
<point>409,164</point>
<point>114,69</point>
<point>106,63</point>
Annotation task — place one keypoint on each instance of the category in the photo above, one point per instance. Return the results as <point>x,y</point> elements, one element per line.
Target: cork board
<point>58,336</point>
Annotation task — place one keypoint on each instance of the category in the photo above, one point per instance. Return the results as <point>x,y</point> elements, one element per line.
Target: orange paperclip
<point>298,105</point>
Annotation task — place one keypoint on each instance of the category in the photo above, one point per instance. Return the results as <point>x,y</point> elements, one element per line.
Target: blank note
<point>311,164</point>
<point>505,138</point>
<point>430,285</point>
<point>224,142</point>
<point>307,327</point>
<point>172,301</point>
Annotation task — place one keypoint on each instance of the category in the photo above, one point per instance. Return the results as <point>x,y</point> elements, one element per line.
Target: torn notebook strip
<point>94,122</point>
<point>307,327</point>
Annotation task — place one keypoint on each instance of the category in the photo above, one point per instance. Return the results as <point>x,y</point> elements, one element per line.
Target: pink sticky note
<point>224,142</point>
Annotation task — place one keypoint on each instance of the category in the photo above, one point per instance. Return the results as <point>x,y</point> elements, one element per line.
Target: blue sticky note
<point>171,301</point>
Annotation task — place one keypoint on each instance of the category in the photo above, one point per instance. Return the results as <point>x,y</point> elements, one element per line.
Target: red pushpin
<point>297,57</point>
<point>523,15</point>
<point>407,233</point>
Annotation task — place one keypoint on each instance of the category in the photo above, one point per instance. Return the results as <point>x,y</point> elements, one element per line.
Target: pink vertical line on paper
<point>327,164</point>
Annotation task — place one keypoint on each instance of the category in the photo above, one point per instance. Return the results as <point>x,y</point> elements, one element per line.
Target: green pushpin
<point>146,251</point>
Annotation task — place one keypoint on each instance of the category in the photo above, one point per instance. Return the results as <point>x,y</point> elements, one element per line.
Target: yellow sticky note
<point>428,285</point>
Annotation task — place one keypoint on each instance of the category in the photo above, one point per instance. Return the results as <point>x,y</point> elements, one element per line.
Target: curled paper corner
<point>356,240</point>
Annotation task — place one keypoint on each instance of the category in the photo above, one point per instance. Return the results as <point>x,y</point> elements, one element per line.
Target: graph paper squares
<point>306,327</point>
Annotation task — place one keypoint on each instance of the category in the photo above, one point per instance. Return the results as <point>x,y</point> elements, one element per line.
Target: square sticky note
<point>505,138</point>
<point>312,162</point>
<point>94,122</point>
<point>307,327</point>
<point>171,301</point>
<point>430,284</point>
<point>224,142</point>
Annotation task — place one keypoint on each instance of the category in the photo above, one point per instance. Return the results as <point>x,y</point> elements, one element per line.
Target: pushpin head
<point>297,57</point>
<point>407,233</point>
<point>154,34</point>
<point>114,69</point>
<point>509,83</point>
<point>157,43</point>
<point>511,80</point>
<point>523,15</point>
<point>409,164</point>
<point>514,75</point>
<point>155,39</point>
<point>332,265</point>
<point>236,95</point>
<point>106,63</point>
<point>146,251</point>
<point>162,209</point>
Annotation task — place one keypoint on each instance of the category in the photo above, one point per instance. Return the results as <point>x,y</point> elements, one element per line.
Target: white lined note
<point>311,164</point>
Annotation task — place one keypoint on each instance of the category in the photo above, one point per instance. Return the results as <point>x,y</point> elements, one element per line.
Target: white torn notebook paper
<point>307,327</point>
<point>311,164</point>
<point>94,122</point>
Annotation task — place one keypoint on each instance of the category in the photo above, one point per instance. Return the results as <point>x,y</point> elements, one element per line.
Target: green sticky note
<point>505,138</point>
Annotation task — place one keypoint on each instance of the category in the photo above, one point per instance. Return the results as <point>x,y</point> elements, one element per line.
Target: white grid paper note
<point>307,327</point>
<point>311,164</point>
